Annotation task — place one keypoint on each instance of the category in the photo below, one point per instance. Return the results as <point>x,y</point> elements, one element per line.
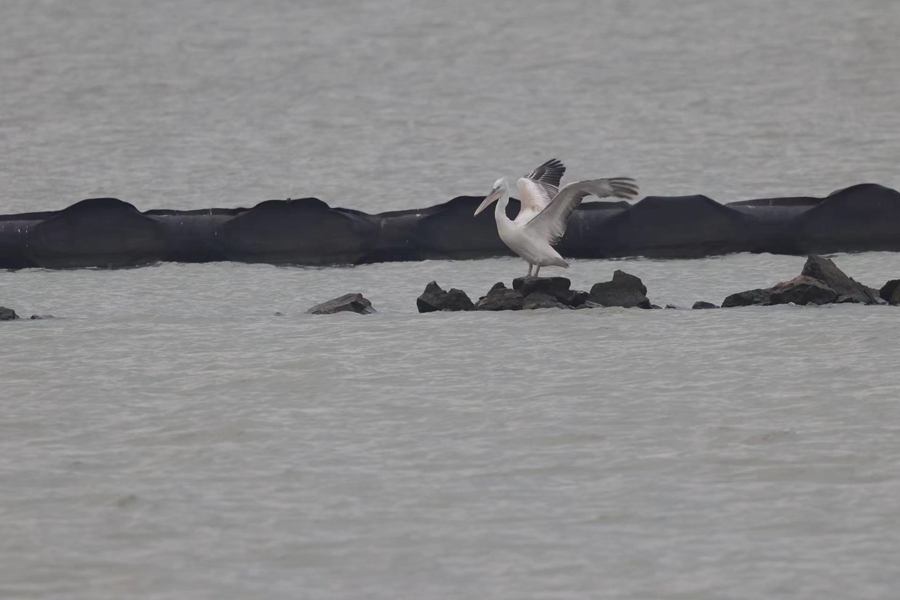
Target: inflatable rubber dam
<point>110,233</point>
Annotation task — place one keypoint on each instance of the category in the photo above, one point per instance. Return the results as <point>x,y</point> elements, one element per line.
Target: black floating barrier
<point>109,233</point>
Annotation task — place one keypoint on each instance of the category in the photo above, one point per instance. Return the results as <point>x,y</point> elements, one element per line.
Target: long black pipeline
<point>110,233</point>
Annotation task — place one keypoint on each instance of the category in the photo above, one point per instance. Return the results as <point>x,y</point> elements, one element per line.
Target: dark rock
<point>7,314</point>
<point>846,288</point>
<point>820,282</point>
<point>802,290</point>
<point>890,293</point>
<point>501,299</point>
<point>674,307</point>
<point>498,286</point>
<point>574,298</point>
<point>748,298</point>
<point>431,299</point>
<point>557,287</point>
<point>624,290</point>
<point>458,300</point>
<point>41,317</point>
<point>541,300</point>
<point>347,303</point>
<point>701,304</point>
<point>552,286</point>
<point>436,299</point>
<point>871,292</point>
<point>656,307</point>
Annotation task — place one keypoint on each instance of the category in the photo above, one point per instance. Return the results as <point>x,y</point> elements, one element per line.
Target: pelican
<point>546,208</point>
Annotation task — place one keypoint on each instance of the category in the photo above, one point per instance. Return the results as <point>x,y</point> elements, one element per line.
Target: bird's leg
<point>529,269</point>
<point>538,270</point>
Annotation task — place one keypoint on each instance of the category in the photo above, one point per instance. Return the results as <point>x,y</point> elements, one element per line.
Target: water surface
<point>169,436</point>
<point>392,104</point>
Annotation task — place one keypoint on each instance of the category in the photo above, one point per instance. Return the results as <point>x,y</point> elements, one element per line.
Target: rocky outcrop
<point>355,303</point>
<point>501,297</point>
<point>435,299</point>
<point>537,300</point>
<point>847,289</point>
<point>7,314</point>
<point>757,297</point>
<point>624,290</point>
<point>890,292</point>
<point>702,305</point>
<point>820,282</point>
<point>555,292</point>
<point>554,287</point>
<point>802,290</point>
<point>529,293</point>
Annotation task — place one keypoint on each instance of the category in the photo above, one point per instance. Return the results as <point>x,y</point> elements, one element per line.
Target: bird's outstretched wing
<point>548,176</point>
<point>550,223</point>
<point>540,187</point>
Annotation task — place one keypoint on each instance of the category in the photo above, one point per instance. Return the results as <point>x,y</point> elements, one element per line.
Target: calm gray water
<point>168,436</point>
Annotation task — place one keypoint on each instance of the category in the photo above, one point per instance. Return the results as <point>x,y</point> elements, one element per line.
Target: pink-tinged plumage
<point>541,222</point>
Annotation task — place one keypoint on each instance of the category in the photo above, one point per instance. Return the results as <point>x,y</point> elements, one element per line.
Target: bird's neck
<point>500,208</point>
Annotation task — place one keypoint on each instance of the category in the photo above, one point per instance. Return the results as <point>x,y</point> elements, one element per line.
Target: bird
<point>545,210</point>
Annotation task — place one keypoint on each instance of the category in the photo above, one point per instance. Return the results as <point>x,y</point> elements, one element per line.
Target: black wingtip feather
<point>624,187</point>
<point>551,172</point>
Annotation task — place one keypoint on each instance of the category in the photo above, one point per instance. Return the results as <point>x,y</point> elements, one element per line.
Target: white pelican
<point>541,221</point>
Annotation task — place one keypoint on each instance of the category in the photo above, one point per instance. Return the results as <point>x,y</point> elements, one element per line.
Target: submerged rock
<point>541,300</point>
<point>41,317</point>
<point>890,293</point>
<point>356,303</point>
<point>7,314</point>
<point>435,299</point>
<point>702,304</point>
<point>501,298</point>
<point>624,290</point>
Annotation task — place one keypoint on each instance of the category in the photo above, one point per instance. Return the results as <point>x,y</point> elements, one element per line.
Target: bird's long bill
<point>488,200</point>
